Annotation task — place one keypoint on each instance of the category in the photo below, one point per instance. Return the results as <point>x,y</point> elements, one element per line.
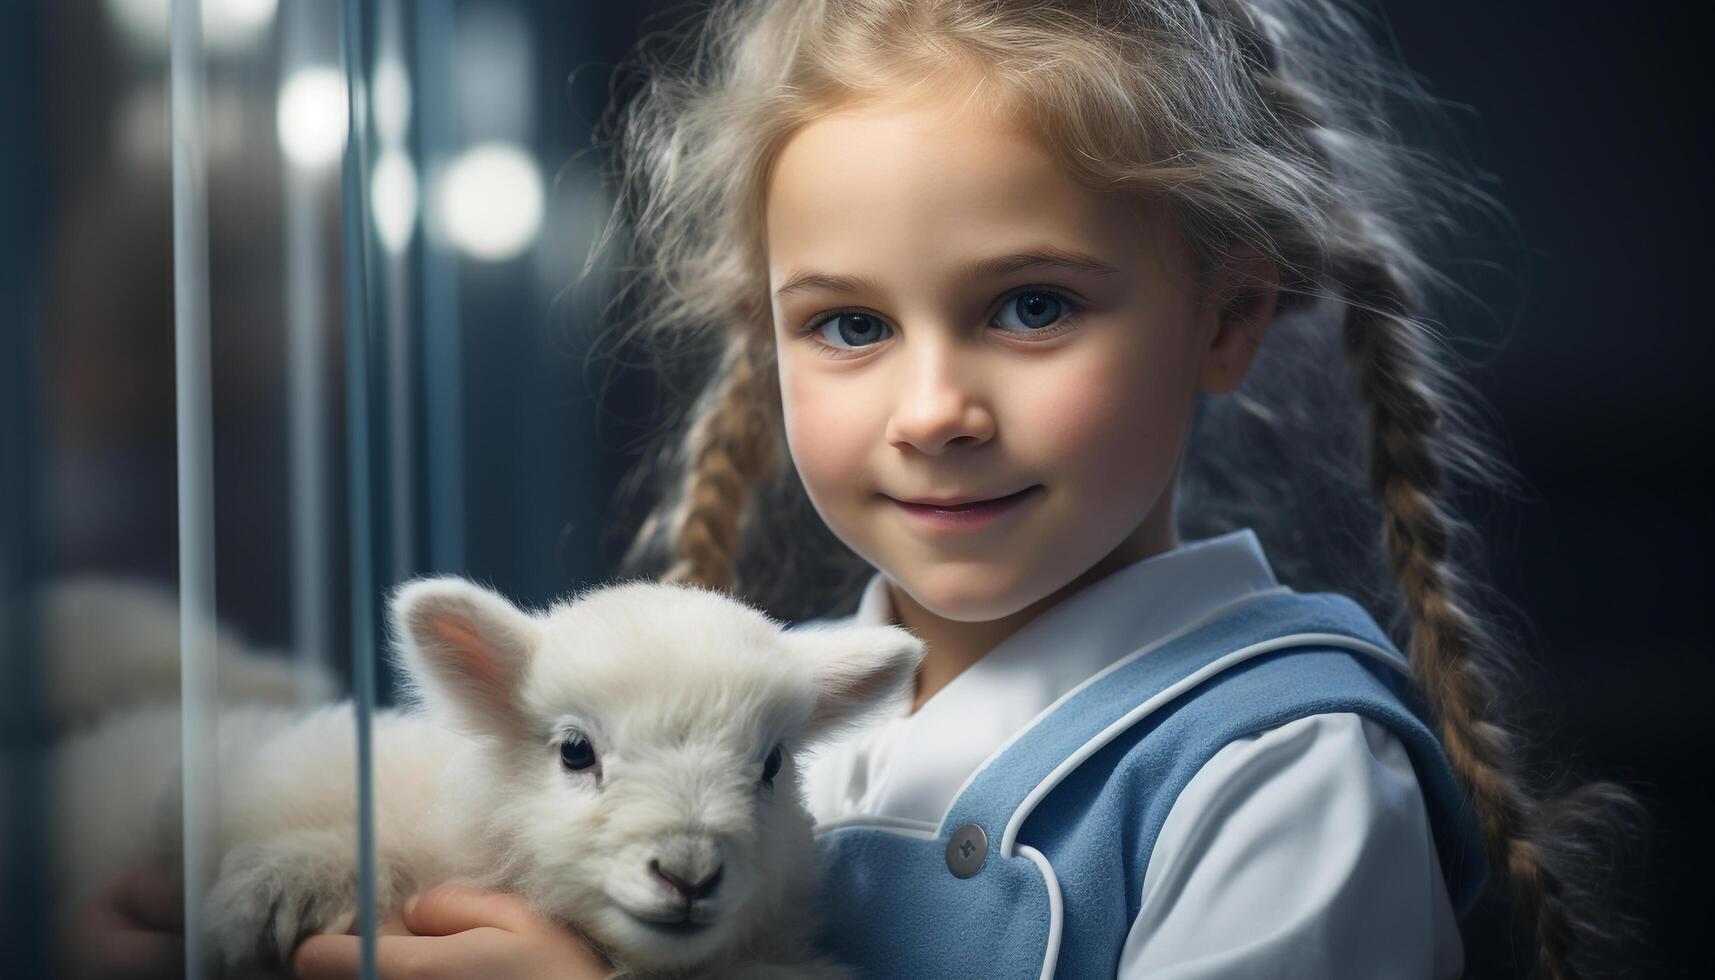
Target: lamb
<point>111,642</point>
<point>625,760</point>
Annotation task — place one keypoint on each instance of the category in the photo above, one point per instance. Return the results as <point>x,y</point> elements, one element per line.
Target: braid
<point>1528,838</point>
<point>1387,357</point>
<point>732,448</point>
<point>1534,839</point>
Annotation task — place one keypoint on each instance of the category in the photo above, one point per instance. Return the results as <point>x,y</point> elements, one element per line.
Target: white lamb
<point>624,760</point>
<point>110,642</point>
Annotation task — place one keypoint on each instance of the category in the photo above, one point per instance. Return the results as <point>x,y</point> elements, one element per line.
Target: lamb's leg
<point>271,894</point>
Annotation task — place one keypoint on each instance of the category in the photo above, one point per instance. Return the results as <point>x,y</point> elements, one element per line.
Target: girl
<point>987,281</point>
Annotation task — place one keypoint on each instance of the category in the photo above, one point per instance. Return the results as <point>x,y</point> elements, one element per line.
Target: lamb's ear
<point>466,649</point>
<point>858,669</point>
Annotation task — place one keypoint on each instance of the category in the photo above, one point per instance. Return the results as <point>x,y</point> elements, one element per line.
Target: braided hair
<point>1259,123</point>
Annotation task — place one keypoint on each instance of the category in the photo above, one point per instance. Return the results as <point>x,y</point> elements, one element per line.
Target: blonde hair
<point>1258,123</point>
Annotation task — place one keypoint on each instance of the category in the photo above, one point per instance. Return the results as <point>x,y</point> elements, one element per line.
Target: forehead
<point>651,656</point>
<point>926,185</point>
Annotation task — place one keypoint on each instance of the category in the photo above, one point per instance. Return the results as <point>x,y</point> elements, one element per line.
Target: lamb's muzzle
<point>688,885</point>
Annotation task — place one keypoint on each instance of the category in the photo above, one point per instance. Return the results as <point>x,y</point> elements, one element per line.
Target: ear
<point>1244,293</point>
<point>465,649</point>
<point>858,669</point>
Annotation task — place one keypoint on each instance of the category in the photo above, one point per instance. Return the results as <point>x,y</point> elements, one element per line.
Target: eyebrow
<point>991,268</point>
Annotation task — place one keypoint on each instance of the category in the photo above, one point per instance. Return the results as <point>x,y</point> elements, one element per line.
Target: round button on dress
<point>966,851</point>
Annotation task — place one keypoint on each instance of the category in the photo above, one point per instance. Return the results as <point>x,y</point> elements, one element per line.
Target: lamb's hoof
<point>268,898</point>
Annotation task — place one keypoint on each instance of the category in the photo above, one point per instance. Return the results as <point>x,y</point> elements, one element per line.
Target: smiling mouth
<point>973,515</point>
<point>967,503</point>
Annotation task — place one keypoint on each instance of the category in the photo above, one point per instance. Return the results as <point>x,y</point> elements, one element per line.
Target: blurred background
<point>473,430</point>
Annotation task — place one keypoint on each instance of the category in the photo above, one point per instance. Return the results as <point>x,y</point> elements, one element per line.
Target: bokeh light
<point>390,94</point>
<point>311,116</point>
<point>393,199</point>
<point>489,201</point>
<point>227,25</point>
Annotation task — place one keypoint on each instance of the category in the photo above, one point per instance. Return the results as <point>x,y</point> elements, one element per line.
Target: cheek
<point>551,820</point>
<point>1108,431</point>
<point>828,434</point>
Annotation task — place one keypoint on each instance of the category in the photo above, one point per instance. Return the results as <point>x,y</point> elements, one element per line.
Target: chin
<point>955,597</point>
<point>653,946</point>
<point>976,613</point>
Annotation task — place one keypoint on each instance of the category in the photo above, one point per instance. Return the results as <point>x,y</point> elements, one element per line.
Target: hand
<point>132,929</point>
<point>456,931</point>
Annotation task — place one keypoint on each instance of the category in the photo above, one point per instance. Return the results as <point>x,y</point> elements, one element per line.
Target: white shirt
<point>1301,851</point>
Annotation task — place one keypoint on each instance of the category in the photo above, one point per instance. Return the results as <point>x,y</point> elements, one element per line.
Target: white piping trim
<point>1214,614</point>
<point>1056,911</point>
<point>900,826</point>
<point>1130,718</point>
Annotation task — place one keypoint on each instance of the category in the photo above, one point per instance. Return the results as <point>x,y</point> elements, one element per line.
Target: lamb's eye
<point>577,753</point>
<point>771,767</point>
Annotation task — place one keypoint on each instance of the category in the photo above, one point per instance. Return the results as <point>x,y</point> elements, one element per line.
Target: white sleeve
<point>1300,851</point>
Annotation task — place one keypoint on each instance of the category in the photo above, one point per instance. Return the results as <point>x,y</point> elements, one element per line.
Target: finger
<point>329,957</point>
<point>446,909</point>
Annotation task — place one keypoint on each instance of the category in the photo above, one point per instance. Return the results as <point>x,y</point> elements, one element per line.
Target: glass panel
<point>199,771</point>
<point>173,455</point>
<point>367,446</point>
<point>255,373</point>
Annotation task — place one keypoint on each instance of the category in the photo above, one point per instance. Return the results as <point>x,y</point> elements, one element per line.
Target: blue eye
<point>771,767</point>
<point>1027,311</point>
<point>576,752</point>
<point>851,330</point>
<point>1035,310</point>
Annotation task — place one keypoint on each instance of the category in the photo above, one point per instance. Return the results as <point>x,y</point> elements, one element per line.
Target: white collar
<point>911,766</point>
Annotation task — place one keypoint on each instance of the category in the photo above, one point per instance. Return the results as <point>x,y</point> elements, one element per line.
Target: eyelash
<point>810,330</point>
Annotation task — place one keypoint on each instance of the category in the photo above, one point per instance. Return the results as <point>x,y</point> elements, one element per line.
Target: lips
<point>956,503</point>
<point>968,515</point>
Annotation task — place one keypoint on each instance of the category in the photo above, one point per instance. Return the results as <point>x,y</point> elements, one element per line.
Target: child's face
<point>943,384</point>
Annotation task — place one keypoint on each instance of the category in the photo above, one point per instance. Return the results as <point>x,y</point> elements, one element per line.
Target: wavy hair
<point>1261,123</point>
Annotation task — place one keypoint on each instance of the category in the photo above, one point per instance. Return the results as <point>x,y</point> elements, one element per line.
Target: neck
<point>953,646</point>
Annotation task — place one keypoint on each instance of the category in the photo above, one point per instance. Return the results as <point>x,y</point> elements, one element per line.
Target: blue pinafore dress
<point>1037,868</point>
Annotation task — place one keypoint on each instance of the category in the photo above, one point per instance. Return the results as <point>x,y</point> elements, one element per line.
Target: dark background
<point>1590,344</point>
<point>1589,119</point>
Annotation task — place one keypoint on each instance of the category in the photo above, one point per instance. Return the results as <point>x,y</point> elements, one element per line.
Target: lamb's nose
<point>689,890</point>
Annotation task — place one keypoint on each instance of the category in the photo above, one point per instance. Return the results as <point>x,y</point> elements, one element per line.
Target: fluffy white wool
<point>670,849</point>
<point>111,642</point>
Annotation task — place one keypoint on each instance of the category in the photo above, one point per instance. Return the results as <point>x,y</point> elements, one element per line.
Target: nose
<point>679,880</point>
<point>939,406</point>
